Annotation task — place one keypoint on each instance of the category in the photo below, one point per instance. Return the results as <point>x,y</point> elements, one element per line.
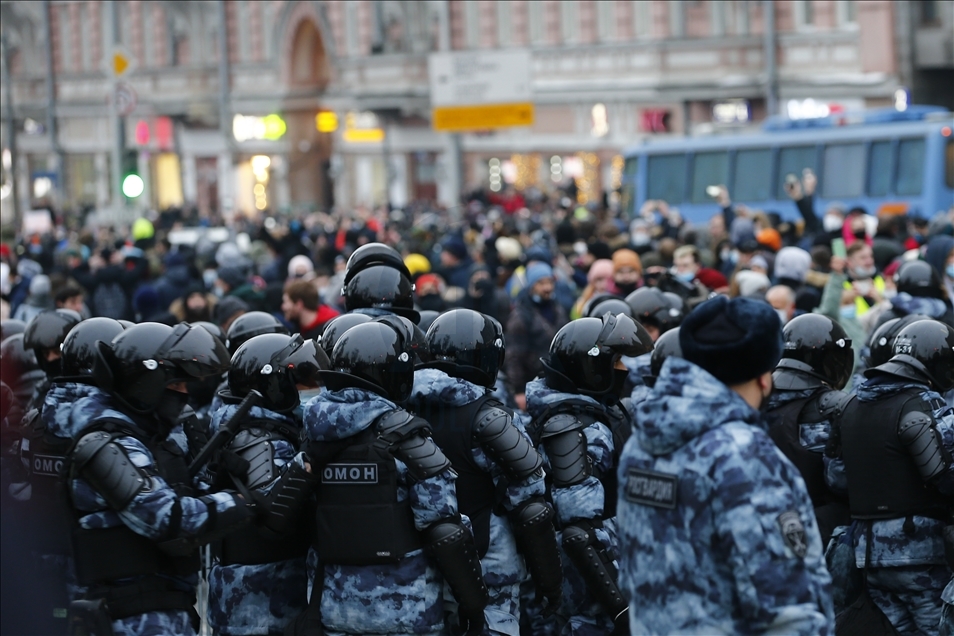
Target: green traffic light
<point>133,186</point>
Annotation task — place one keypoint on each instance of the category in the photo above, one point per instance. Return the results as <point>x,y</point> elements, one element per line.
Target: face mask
<point>171,405</point>
<point>890,293</point>
<point>859,234</point>
<point>949,271</point>
<point>782,315</point>
<point>641,238</point>
<point>848,311</point>
<point>860,273</point>
<point>734,256</point>
<point>626,288</point>
<point>832,223</point>
<point>686,277</point>
<point>725,256</point>
<point>537,299</point>
<point>218,292</point>
<point>208,277</point>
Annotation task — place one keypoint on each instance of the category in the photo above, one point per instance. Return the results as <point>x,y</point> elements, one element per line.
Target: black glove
<point>471,621</point>
<point>228,465</point>
<point>621,624</point>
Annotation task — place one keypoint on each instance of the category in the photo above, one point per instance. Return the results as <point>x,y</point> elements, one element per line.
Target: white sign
<point>469,78</point>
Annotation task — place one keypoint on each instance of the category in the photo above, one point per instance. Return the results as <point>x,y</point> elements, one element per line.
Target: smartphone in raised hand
<point>838,248</point>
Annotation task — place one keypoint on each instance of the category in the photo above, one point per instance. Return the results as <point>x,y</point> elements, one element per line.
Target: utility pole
<point>116,123</point>
<point>11,130</point>
<point>771,65</point>
<point>225,189</point>
<point>51,122</point>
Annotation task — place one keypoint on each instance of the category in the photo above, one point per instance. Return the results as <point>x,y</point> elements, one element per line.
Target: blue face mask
<point>685,277</point>
<point>950,271</point>
<point>849,311</point>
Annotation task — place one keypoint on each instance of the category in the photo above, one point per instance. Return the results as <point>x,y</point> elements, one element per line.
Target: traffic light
<point>133,185</point>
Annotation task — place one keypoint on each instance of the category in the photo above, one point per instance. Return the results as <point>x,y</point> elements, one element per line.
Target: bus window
<point>753,175</point>
<point>628,186</point>
<point>843,171</point>
<point>880,169</point>
<point>910,166</point>
<point>949,164</point>
<point>709,168</point>
<point>792,161</point>
<point>667,178</point>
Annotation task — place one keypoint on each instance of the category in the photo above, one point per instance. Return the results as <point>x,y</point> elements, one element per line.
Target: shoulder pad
<point>833,403</point>
<point>506,445</point>
<point>106,466</point>
<point>399,424</point>
<point>914,419</point>
<point>492,417</point>
<point>561,423</point>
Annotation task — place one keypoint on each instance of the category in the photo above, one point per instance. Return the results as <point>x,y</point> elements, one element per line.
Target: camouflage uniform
<point>258,599</point>
<point>401,598</point>
<point>637,369</point>
<point>717,533</point>
<point>149,513</point>
<point>907,571</point>
<point>585,500</point>
<point>503,567</point>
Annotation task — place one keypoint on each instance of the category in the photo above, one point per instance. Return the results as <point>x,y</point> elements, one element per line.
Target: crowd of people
<point>507,420</point>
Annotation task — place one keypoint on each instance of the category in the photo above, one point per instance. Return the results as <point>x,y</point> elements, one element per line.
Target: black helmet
<point>667,346</point>
<point>381,287</point>
<point>927,345</point>
<point>18,367</point>
<point>46,332</point>
<point>817,346</point>
<point>467,344</point>
<point>375,357</point>
<point>126,323</point>
<point>211,327</point>
<point>374,254</point>
<point>335,327</point>
<point>11,327</point>
<point>80,349</point>
<point>272,364</point>
<point>413,335</point>
<point>428,316</point>
<point>599,304</point>
<point>585,351</point>
<point>918,278</point>
<point>661,310</point>
<point>881,342</point>
<point>249,325</point>
<point>141,361</point>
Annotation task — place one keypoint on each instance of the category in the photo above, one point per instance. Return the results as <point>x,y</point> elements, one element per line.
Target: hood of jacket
<point>883,385</point>
<point>540,396</point>
<point>781,397</point>
<point>334,415</point>
<point>904,304</point>
<point>225,413</point>
<point>686,402</point>
<point>59,403</point>
<point>95,404</point>
<point>435,386</point>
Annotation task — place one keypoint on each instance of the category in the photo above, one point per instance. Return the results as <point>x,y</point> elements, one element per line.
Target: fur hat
<point>735,340</point>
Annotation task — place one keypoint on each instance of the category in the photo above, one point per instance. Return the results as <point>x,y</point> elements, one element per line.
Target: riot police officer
<point>666,346</point>
<point>658,312</point>
<point>919,291</point>
<point>880,346</point>
<point>137,525</point>
<point>377,283</point>
<point>807,397</point>
<point>258,583</point>
<point>896,441</point>
<point>500,479</point>
<point>387,505</point>
<point>580,427</point>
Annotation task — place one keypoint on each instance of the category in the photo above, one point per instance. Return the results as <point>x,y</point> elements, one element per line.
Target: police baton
<point>225,433</point>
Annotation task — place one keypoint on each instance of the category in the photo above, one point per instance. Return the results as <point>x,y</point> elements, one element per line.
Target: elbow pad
<point>562,437</point>
<point>108,469</point>
<point>286,499</point>
<point>594,564</point>
<point>406,438</point>
<point>919,436</point>
<point>506,445</point>
<point>452,547</point>
<point>532,525</point>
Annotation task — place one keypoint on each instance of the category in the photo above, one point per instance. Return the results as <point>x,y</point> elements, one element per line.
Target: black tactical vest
<point>784,431</point>
<point>452,428</point>
<point>359,520</point>
<point>47,511</point>
<point>106,554</point>
<point>883,481</point>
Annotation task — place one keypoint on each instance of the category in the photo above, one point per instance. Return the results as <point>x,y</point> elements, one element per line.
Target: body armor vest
<point>883,481</point>
<point>613,417</point>
<point>452,428</point>
<point>359,520</point>
<point>104,555</point>
<point>254,442</point>
<point>784,431</point>
<point>48,515</point>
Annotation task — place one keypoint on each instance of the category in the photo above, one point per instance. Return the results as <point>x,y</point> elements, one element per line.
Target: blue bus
<point>900,159</point>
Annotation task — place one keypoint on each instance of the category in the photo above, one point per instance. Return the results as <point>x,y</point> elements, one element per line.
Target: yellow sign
<point>464,118</point>
<point>121,63</point>
<point>326,121</point>
<point>363,135</point>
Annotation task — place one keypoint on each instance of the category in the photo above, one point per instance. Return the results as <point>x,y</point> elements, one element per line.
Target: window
<point>804,13</point>
<point>642,20</point>
<point>628,186</point>
<point>66,44</point>
<point>352,44</point>
<point>880,168</point>
<point>677,19</point>
<point>667,178</point>
<point>708,168</point>
<point>570,17</point>
<point>844,171</point>
<point>949,164</point>
<point>793,161</point>
<point>471,24</point>
<point>741,17</point>
<point>535,13</point>
<point>929,13</point>
<point>85,42</point>
<point>606,21</point>
<point>910,167</point>
<point>847,12</point>
<point>753,175</point>
<point>504,29</point>
<point>718,17</point>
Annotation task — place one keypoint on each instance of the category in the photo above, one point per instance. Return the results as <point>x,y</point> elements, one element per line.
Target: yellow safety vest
<point>861,305</point>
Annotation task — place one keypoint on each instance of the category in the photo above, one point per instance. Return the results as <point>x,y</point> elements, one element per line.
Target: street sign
<point>126,99</point>
<point>119,61</point>
<point>477,90</point>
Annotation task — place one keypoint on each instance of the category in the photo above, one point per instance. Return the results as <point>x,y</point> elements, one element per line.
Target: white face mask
<point>832,222</point>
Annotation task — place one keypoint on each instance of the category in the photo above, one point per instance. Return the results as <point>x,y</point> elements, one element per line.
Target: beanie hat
<point>602,268</point>
<point>232,276</point>
<point>299,262</point>
<point>228,307</point>
<point>146,301</point>
<point>770,238</point>
<point>508,249</point>
<point>40,285</point>
<point>417,264</point>
<point>626,258</point>
<point>735,340</point>
<point>792,263</point>
<point>539,253</point>
<point>752,284</point>
<point>537,272</point>
<point>455,245</point>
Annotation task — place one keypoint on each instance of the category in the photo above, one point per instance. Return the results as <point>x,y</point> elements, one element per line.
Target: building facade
<point>308,104</point>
